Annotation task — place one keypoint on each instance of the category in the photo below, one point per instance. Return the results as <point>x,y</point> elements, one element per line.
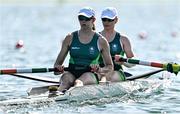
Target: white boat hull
<point>90,92</point>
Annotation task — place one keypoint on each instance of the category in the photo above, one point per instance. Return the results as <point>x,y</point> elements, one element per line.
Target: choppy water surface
<point>42,27</point>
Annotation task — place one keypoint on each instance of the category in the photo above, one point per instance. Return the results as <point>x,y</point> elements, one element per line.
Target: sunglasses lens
<point>106,19</point>
<point>83,18</point>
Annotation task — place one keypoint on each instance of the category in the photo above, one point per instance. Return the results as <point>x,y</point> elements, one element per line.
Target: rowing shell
<point>90,92</point>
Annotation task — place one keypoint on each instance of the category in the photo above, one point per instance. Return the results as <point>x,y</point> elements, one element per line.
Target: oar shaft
<point>39,70</point>
<point>175,67</point>
<point>140,62</point>
<point>26,70</point>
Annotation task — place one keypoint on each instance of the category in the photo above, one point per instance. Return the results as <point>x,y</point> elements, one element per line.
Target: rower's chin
<point>107,26</point>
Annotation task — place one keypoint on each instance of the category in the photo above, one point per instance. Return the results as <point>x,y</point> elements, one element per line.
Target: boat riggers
<point>170,67</point>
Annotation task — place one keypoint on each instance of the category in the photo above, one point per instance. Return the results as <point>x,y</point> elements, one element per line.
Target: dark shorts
<point>77,71</point>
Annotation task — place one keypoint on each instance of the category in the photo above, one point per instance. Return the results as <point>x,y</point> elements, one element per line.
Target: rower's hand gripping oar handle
<point>170,67</point>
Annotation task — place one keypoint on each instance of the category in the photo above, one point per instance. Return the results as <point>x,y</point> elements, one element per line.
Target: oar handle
<point>175,67</point>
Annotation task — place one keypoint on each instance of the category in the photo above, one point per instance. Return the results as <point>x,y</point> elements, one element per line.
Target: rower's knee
<point>67,79</point>
<point>78,83</point>
<point>89,78</point>
<point>118,76</point>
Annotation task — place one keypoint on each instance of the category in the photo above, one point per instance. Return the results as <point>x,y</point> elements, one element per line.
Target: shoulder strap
<point>118,35</point>
<point>75,34</point>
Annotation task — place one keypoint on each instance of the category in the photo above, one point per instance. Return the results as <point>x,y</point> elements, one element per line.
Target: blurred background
<point>41,25</point>
<point>31,33</point>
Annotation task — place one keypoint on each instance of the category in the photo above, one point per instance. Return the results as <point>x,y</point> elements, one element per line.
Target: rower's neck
<point>109,34</point>
<point>86,31</point>
<point>85,36</point>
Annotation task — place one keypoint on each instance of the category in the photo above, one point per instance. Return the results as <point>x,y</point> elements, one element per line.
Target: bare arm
<point>128,50</point>
<point>127,47</point>
<point>105,50</point>
<point>63,53</point>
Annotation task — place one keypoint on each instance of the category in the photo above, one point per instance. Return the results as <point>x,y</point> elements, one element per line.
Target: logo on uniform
<point>75,47</point>
<point>91,50</point>
<point>114,47</point>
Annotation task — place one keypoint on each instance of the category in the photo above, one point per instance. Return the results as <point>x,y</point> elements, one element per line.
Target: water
<point>42,27</point>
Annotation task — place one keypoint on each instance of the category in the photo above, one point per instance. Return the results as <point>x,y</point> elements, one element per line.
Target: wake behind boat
<point>92,92</point>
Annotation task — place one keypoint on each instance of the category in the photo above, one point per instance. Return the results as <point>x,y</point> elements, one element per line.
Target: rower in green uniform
<point>119,44</point>
<point>85,47</point>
